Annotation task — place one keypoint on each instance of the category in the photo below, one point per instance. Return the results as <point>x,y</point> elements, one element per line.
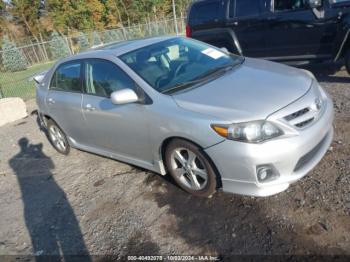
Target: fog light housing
<point>266,173</point>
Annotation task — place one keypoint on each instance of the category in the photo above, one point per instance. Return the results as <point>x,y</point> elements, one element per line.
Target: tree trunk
<point>43,47</point>
<point>34,52</point>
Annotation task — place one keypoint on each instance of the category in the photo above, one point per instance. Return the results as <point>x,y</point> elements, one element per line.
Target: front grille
<point>297,114</point>
<point>309,156</point>
<point>304,123</point>
<point>303,118</point>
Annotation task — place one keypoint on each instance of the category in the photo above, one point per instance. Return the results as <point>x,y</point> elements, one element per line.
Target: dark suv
<point>291,31</point>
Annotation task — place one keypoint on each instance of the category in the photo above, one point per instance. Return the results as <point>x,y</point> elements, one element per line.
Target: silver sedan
<point>210,119</point>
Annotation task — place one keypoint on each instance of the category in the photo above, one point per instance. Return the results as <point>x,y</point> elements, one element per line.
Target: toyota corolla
<point>210,119</point>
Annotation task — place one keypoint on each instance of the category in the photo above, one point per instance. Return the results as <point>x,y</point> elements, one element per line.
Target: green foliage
<point>58,46</point>
<point>12,58</point>
<point>26,13</point>
<point>2,6</point>
<point>96,40</point>
<point>83,42</point>
<point>87,15</point>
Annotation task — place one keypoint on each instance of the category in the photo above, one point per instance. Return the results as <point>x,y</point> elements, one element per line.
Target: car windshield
<point>179,63</point>
<point>338,1</point>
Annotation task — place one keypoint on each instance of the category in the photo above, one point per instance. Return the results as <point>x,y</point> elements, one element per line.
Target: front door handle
<point>89,107</point>
<point>51,101</point>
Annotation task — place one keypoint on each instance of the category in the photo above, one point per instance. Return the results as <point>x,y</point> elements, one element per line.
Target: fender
<point>343,40</point>
<point>220,36</point>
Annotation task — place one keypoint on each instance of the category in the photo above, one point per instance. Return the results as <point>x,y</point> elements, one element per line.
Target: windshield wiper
<point>208,75</point>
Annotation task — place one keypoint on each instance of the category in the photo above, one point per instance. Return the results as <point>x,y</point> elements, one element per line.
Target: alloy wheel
<point>57,138</point>
<point>189,169</point>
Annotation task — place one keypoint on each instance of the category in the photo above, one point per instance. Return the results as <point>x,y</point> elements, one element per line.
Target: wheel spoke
<point>194,181</point>
<point>62,144</point>
<point>59,135</point>
<point>179,172</point>
<point>191,157</point>
<point>180,158</point>
<point>54,131</point>
<point>200,172</point>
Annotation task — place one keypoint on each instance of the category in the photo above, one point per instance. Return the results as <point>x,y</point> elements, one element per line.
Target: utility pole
<point>175,20</point>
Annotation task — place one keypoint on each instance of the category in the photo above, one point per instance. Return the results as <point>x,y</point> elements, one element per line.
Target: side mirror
<point>315,3</point>
<point>124,96</point>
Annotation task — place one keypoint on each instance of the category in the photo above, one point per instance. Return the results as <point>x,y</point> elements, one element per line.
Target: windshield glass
<point>178,63</point>
<point>339,1</point>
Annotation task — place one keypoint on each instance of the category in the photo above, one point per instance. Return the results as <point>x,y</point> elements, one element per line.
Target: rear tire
<point>190,168</point>
<point>57,138</point>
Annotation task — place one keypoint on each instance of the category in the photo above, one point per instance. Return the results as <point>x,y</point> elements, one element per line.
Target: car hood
<point>252,91</point>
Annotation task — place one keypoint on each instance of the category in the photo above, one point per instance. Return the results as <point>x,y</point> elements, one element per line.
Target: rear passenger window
<point>242,8</point>
<point>102,78</point>
<point>206,12</point>
<point>67,78</point>
<point>290,5</point>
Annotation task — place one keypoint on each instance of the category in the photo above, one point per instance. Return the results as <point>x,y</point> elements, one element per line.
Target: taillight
<point>188,31</point>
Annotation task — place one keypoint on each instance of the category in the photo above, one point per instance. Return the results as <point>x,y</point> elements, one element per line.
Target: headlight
<point>250,132</point>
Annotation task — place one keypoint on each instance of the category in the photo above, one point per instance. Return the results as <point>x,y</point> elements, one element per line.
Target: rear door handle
<point>51,101</point>
<point>233,23</point>
<point>89,107</point>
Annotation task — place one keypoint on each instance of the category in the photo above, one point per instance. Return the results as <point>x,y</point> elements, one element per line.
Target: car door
<point>64,101</point>
<point>245,19</point>
<point>118,129</point>
<point>205,17</point>
<point>295,31</point>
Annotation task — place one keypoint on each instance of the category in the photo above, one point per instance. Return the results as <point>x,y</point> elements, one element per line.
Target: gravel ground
<point>86,204</point>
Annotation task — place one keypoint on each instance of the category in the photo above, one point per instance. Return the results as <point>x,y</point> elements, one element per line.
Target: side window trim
<point>54,88</point>
<point>233,11</point>
<point>85,61</point>
<point>274,11</point>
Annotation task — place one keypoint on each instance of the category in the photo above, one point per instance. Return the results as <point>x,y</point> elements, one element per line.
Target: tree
<point>96,40</point>
<point>96,12</point>
<point>2,17</point>
<point>112,15</point>
<point>58,46</point>
<point>68,15</point>
<point>27,13</point>
<point>12,58</point>
<point>76,15</point>
<point>40,17</point>
<point>83,42</point>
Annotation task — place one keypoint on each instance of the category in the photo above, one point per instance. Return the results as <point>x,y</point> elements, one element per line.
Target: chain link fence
<point>39,57</point>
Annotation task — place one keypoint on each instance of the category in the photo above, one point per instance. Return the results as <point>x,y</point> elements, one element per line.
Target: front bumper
<point>293,157</point>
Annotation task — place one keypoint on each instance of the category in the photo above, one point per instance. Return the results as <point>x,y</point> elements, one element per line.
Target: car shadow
<point>49,217</point>
<point>227,226</point>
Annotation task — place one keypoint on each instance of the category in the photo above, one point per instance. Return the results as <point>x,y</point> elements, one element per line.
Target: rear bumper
<point>292,157</point>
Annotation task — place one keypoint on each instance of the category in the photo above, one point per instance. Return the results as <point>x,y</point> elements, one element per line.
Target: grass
<point>16,84</point>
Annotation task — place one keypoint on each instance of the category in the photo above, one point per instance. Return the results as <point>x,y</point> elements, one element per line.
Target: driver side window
<point>102,78</point>
<point>290,5</point>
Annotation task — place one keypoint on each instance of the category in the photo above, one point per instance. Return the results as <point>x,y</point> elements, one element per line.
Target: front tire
<point>57,138</point>
<point>190,168</point>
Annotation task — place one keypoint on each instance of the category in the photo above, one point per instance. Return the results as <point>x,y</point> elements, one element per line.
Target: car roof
<point>119,48</point>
